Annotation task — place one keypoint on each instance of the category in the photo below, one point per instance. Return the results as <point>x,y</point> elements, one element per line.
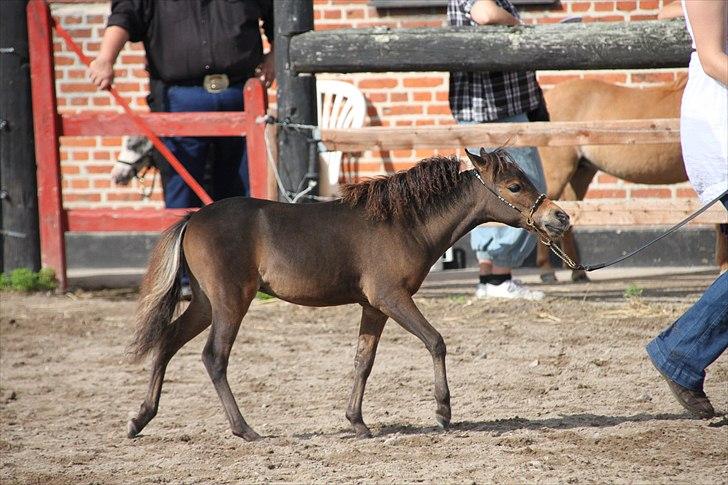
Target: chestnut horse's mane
<point>424,190</point>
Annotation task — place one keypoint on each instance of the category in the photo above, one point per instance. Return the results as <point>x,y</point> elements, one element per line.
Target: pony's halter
<point>555,248</point>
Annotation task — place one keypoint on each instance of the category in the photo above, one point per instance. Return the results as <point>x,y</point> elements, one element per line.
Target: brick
<point>101,184</point>
<point>64,60</point>
<point>422,96</point>
<point>594,193</point>
<point>605,178</point>
<point>577,6</point>
<point>76,88</point>
<point>556,78</point>
<point>79,156</point>
<point>358,13</point>
<point>439,110</point>
<point>402,109</point>
<point>377,97</point>
<point>77,141</point>
<point>111,141</point>
<point>423,82</point>
<point>407,122</point>
<point>96,19</point>
<point>97,168</point>
<point>105,101</point>
<point>652,77</point>
<point>651,193</point>
<point>67,169</point>
<point>331,26</point>
<point>635,18</point>
<point>649,4</point>
<point>83,197</point>
<point>602,6</point>
<point>79,101</point>
<point>332,13</point>
<point>424,122</point>
<point>442,96</point>
<point>132,59</point>
<point>80,33</point>
<point>626,6</point>
<point>398,97</point>
<point>82,183</point>
<point>617,78</point>
<point>402,154</point>
<point>378,83</point>
<point>686,193</point>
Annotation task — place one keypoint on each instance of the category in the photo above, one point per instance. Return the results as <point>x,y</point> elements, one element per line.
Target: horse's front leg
<point>372,324</point>
<point>403,310</point>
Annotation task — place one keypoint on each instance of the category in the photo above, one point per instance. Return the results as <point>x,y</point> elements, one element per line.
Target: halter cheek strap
<point>555,248</point>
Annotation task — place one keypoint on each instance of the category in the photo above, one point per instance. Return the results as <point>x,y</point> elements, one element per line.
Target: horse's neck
<point>462,216</point>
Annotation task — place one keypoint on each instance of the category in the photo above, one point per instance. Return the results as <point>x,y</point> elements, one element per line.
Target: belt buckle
<point>216,83</point>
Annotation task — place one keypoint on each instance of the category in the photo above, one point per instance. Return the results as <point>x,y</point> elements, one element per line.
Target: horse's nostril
<point>562,216</point>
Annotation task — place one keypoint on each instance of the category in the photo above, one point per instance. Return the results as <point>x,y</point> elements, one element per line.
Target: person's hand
<point>266,71</point>
<point>101,73</point>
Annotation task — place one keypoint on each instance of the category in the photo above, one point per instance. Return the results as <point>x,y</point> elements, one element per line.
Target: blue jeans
<point>696,339</point>
<point>509,246</point>
<point>230,164</point>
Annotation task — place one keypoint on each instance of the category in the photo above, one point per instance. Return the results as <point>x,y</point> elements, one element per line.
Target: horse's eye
<point>514,188</point>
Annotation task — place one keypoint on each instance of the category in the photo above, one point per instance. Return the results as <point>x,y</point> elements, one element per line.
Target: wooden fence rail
<point>564,133</point>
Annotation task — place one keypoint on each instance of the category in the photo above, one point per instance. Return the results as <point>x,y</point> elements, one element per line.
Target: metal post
<point>19,240</point>
<point>296,97</point>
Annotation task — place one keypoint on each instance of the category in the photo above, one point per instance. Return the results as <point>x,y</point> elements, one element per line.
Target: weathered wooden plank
<point>163,124</point>
<point>645,212</point>
<point>562,133</point>
<point>600,45</point>
<point>122,220</point>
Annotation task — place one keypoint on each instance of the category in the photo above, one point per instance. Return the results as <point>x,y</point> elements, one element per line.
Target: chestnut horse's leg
<point>193,320</point>
<point>404,311</point>
<point>372,324</point>
<point>580,183</point>
<point>721,247</point>
<point>228,311</point>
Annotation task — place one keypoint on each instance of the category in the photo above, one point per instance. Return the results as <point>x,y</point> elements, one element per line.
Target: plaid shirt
<point>488,96</point>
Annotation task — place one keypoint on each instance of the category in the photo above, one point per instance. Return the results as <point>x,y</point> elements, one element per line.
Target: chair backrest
<point>339,105</point>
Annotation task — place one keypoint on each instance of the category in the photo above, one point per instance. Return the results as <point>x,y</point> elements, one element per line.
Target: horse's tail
<point>159,292</point>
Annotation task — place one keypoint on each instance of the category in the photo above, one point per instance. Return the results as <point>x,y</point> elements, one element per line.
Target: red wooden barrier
<point>49,126</point>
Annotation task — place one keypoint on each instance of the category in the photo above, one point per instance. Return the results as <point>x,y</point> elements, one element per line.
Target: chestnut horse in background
<point>569,170</point>
<point>373,247</point>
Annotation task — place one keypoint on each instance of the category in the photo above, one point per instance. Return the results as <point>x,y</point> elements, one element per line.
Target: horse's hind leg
<point>404,311</point>
<point>193,320</point>
<point>372,324</point>
<point>227,314</point>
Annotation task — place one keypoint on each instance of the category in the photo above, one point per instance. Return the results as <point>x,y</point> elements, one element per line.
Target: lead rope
<point>556,249</point>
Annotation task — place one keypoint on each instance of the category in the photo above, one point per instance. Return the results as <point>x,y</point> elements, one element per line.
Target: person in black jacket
<point>199,55</point>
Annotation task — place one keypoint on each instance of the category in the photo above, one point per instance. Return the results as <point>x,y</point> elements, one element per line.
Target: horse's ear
<point>476,159</point>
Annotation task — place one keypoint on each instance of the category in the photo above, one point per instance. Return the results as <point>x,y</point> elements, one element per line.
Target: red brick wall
<point>394,99</point>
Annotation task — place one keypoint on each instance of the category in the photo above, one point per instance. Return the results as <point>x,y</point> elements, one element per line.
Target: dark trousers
<point>230,159</point>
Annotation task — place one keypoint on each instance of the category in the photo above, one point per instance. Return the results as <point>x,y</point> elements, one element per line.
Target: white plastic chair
<point>339,105</point>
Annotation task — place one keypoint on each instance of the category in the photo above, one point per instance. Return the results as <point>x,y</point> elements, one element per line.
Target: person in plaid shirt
<point>503,97</point>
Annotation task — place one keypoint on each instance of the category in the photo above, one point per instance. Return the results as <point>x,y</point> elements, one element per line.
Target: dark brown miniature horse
<point>373,247</point>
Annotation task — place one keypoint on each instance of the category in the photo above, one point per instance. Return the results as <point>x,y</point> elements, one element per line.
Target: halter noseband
<point>555,248</point>
<point>534,207</point>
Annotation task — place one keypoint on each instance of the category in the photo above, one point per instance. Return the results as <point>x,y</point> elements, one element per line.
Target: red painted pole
<point>46,125</point>
<point>255,100</point>
<point>156,141</point>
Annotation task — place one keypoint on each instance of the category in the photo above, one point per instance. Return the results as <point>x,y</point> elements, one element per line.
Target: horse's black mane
<point>425,189</point>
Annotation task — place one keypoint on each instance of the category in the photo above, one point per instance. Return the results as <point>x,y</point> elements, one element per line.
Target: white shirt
<point>704,129</point>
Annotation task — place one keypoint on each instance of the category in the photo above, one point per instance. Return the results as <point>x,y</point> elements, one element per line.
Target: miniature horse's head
<point>518,203</point>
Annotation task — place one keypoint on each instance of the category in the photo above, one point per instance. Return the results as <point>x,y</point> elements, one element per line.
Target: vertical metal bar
<point>256,103</point>
<point>46,125</point>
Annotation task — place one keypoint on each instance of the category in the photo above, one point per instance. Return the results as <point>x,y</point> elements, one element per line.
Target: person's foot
<point>695,402</point>
<point>512,289</point>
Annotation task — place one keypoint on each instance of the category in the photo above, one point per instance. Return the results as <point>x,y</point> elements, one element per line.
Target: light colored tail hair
<point>159,293</point>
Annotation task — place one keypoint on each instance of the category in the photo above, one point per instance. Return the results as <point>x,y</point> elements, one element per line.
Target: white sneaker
<point>512,289</point>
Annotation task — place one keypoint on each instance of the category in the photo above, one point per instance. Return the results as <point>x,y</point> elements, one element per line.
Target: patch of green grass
<point>461,299</point>
<point>633,291</point>
<point>264,296</point>
<point>24,279</point>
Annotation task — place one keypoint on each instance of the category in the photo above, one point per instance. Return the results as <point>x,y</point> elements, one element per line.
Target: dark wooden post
<point>19,202</point>
<point>296,97</point>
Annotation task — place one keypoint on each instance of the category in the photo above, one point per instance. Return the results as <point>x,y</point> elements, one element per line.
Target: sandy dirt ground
<point>554,391</point>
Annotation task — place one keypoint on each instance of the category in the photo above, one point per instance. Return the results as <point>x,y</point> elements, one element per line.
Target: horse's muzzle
<point>555,221</point>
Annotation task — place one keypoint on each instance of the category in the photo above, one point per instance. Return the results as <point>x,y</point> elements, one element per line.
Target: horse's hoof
<point>131,429</point>
<point>248,435</point>
<point>549,277</point>
<point>364,434</point>
<point>442,421</point>
<point>580,277</point>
